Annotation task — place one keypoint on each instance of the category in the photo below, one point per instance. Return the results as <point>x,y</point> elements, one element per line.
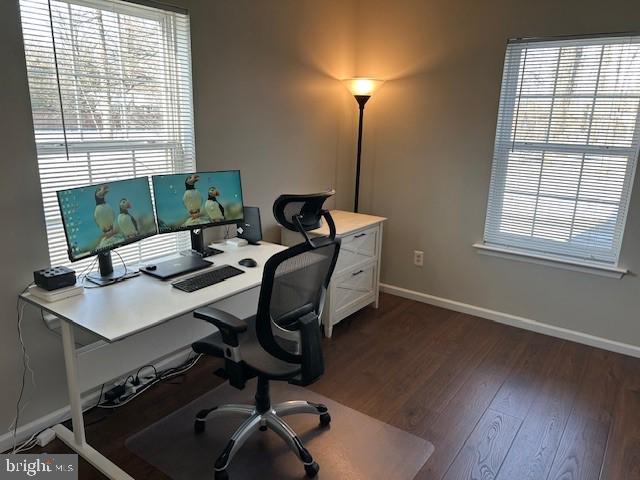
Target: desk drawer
<point>353,289</point>
<point>357,248</point>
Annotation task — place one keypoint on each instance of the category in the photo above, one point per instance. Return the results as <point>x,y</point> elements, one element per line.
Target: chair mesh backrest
<point>295,280</point>
<point>299,284</point>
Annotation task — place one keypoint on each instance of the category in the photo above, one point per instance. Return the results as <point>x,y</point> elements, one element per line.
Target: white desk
<point>124,309</point>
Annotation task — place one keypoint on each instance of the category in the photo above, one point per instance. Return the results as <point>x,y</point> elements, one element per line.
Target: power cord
<point>137,379</point>
<point>163,375</point>
<point>99,400</point>
<point>87,269</point>
<point>124,276</point>
<point>32,441</point>
<point>28,444</point>
<point>159,376</point>
<point>26,367</point>
<point>124,265</point>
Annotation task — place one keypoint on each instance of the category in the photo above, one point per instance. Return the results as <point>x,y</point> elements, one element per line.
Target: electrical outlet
<point>418,258</point>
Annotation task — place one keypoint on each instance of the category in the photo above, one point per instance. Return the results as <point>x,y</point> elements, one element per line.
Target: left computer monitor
<point>101,217</point>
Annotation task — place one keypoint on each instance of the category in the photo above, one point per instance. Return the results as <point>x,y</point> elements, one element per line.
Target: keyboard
<point>207,279</point>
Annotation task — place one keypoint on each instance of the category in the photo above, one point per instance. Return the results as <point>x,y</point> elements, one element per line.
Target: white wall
<point>23,241</point>
<point>266,101</point>
<point>428,150</point>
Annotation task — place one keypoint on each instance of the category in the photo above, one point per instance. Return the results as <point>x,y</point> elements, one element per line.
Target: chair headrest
<point>307,208</point>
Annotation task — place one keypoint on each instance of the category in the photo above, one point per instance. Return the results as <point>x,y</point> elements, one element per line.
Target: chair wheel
<point>221,475</point>
<point>198,427</point>
<point>312,469</point>
<point>325,419</point>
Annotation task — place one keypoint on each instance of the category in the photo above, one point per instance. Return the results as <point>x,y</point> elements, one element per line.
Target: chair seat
<point>253,355</point>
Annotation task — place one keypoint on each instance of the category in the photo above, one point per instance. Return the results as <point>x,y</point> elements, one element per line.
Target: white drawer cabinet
<point>356,279</point>
<point>353,289</point>
<point>357,248</point>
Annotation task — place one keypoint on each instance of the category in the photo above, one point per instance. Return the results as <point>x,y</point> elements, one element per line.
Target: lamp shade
<point>362,86</point>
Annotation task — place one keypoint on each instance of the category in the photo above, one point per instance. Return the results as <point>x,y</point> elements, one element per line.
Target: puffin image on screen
<point>192,200</point>
<point>103,214</point>
<point>127,223</point>
<point>213,207</point>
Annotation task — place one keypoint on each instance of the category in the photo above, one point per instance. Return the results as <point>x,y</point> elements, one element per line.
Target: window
<point>566,148</point>
<point>110,86</point>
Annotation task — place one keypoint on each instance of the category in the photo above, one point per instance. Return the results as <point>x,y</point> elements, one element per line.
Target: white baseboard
<point>515,321</point>
<point>88,398</point>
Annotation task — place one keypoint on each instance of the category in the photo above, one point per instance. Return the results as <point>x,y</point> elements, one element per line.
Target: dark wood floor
<point>496,401</point>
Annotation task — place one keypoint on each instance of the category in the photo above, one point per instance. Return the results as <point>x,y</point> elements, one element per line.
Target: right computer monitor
<point>188,201</point>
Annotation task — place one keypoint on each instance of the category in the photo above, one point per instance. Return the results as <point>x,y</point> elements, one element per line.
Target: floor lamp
<point>361,89</point>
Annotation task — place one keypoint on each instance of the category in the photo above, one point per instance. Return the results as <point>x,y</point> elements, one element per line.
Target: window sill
<point>550,260</point>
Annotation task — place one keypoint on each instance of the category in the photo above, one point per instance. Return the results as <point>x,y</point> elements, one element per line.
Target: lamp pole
<point>361,89</point>
<point>361,99</point>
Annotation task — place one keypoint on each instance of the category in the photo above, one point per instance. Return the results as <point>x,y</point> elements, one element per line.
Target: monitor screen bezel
<point>203,225</point>
<point>93,253</point>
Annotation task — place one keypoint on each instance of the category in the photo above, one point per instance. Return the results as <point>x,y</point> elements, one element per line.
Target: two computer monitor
<point>101,217</point>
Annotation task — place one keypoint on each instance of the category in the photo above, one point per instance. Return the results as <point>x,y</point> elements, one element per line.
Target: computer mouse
<point>150,268</point>
<point>248,262</point>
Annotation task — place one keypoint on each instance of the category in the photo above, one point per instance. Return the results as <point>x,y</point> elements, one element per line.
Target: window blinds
<point>110,86</point>
<point>566,147</point>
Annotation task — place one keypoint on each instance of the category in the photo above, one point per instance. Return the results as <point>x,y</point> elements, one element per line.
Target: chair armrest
<point>229,325</point>
<point>221,319</point>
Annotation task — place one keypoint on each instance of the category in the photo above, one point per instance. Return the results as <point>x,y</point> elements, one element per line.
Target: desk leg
<point>71,365</point>
<point>76,439</point>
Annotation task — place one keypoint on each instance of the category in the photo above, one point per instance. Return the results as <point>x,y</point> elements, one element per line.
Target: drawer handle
<point>357,273</point>
<point>359,235</point>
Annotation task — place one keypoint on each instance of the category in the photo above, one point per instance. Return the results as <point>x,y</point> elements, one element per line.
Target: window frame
<point>81,140</point>
<point>511,245</point>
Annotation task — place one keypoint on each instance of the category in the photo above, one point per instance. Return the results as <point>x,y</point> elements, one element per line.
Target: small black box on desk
<point>54,278</point>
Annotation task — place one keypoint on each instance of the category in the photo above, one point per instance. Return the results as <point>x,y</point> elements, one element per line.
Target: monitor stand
<point>106,274</point>
<point>198,247</point>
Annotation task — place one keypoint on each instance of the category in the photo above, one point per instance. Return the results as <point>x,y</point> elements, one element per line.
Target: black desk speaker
<point>250,228</point>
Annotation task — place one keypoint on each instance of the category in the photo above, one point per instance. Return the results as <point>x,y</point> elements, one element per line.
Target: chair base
<point>270,418</point>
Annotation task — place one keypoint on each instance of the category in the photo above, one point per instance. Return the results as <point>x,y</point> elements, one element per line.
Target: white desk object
<point>356,280</point>
<point>120,310</point>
